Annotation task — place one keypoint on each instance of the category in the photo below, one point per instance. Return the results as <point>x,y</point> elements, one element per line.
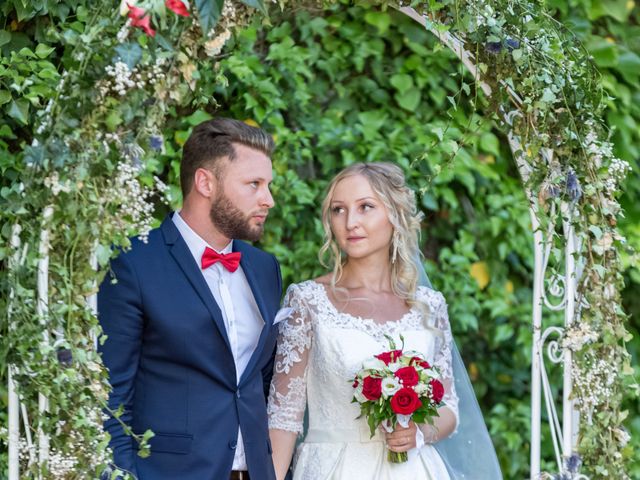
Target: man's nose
<point>267,200</point>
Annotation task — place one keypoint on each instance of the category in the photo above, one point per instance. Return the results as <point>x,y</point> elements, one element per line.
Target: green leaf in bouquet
<point>371,420</point>
<point>419,416</point>
<point>392,343</point>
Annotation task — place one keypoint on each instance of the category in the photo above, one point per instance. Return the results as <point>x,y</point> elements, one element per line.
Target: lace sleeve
<point>443,358</point>
<point>288,391</point>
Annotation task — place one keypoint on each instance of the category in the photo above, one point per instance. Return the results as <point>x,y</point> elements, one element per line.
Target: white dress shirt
<point>240,312</point>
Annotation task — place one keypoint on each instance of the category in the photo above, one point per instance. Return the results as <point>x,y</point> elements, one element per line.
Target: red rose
<point>405,401</point>
<point>408,376</point>
<point>437,390</point>
<point>139,18</point>
<point>388,357</point>
<point>419,361</point>
<point>356,383</point>
<point>372,388</point>
<point>177,7</point>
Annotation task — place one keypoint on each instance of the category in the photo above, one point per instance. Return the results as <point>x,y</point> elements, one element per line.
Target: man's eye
<point>254,184</point>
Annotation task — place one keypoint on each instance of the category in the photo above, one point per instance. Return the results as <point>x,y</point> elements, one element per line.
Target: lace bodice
<point>320,349</point>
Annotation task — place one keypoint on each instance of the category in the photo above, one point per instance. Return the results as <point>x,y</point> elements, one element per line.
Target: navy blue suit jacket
<point>171,367</point>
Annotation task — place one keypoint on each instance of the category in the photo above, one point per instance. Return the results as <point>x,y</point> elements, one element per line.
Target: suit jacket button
<point>233,444</point>
<point>238,393</point>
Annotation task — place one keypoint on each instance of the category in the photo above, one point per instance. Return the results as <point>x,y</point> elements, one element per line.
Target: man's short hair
<point>213,140</point>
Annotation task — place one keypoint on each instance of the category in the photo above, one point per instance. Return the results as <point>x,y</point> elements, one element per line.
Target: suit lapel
<point>182,255</point>
<point>251,272</point>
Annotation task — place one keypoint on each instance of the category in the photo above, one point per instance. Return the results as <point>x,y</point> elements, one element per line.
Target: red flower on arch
<point>141,19</point>
<point>177,7</point>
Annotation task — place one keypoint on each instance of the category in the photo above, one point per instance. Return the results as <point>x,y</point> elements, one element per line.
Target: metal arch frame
<point>564,436</point>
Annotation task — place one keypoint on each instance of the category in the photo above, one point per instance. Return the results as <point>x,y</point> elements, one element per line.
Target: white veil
<point>468,453</point>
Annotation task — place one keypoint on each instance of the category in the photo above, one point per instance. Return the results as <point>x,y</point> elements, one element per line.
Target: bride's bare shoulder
<point>323,279</point>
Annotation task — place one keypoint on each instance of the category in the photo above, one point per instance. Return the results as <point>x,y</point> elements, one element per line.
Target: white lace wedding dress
<point>319,350</point>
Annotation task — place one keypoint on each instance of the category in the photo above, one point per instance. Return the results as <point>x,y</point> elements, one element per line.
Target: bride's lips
<point>355,239</point>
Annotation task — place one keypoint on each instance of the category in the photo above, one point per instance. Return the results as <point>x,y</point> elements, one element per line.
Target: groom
<point>189,319</point>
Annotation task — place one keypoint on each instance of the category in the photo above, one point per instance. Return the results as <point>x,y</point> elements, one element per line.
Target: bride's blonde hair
<point>388,183</point>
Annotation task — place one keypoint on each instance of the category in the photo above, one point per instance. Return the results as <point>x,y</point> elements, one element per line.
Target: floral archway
<point>79,171</point>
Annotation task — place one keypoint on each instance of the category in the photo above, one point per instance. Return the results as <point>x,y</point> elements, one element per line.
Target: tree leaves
<point>19,110</point>
<point>618,9</point>
<point>43,51</point>
<point>407,96</point>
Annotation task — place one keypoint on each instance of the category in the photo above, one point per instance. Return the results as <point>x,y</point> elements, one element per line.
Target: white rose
<point>390,385</point>
<point>421,389</point>
<point>359,396</point>
<point>395,366</point>
<point>373,364</point>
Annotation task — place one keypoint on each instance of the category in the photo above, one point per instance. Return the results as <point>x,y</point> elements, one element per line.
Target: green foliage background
<point>356,84</point>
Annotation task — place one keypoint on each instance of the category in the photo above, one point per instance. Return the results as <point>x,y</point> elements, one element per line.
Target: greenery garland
<point>126,66</point>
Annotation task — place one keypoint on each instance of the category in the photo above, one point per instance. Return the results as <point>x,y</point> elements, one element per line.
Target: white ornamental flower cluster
<point>577,336</point>
<point>486,15</point>
<point>594,381</point>
<point>61,465</point>
<point>120,78</point>
<point>214,46</point>
<point>53,183</point>
<point>618,170</point>
<point>229,11</point>
<point>123,33</point>
<point>600,151</point>
<point>164,190</point>
<point>156,73</point>
<point>132,198</point>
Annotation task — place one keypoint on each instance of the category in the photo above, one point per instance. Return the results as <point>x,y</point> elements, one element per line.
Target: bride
<point>330,325</point>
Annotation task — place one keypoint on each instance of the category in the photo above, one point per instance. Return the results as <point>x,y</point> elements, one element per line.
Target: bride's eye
<point>367,206</point>
<point>337,210</point>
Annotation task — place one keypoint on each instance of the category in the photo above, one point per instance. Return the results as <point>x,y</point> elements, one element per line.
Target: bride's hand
<point>402,439</point>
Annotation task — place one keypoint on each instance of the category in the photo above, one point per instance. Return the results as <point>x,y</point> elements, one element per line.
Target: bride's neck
<point>369,273</point>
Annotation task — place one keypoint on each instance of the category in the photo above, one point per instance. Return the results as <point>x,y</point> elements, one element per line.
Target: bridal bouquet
<point>396,387</point>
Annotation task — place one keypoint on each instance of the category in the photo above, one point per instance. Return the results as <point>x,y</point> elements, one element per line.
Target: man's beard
<point>231,222</point>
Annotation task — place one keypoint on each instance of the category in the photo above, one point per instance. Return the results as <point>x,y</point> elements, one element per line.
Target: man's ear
<point>204,182</point>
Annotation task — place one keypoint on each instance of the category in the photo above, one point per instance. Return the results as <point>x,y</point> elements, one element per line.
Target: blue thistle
<point>573,463</point>
<point>512,44</point>
<point>494,47</point>
<point>155,142</point>
<point>573,187</point>
<point>64,357</point>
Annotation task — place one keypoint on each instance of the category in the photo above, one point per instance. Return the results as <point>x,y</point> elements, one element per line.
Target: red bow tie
<point>230,261</point>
